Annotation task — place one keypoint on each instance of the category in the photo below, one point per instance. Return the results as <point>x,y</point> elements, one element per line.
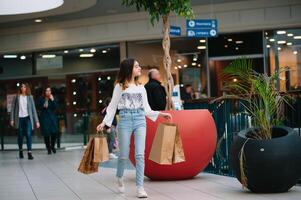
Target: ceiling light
<point>66,51</point>
<point>23,57</point>
<point>38,20</point>
<point>99,78</point>
<point>268,46</point>
<point>100,101</point>
<point>279,48</point>
<point>236,48</point>
<point>92,50</point>
<point>239,42</point>
<point>176,67</point>
<point>10,56</point>
<point>18,84</point>
<point>266,33</point>
<point>86,55</point>
<point>295,52</point>
<point>180,67</point>
<point>74,102</point>
<point>281,32</point>
<point>179,60</point>
<point>281,42</point>
<point>226,46</point>
<point>74,93</point>
<point>104,51</point>
<point>290,35</point>
<point>230,40</point>
<point>185,65</point>
<point>235,80</point>
<point>80,50</point>
<point>289,44</point>
<point>199,65</point>
<point>108,78</point>
<point>202,41</point>
<point>73,80</point>
<point>201,47</point>
<point>272,40</point>
<point>195,59</point>
<point>193,64</point>
<point>49,56</point>
<point>297,37</point>
<point>74,115</point>
<point>14,7</point>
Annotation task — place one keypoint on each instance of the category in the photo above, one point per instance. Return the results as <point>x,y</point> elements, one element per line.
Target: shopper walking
<point>49,122</point>
<point>156,93</point>
<point>130,98</point>
<point>23,116</point>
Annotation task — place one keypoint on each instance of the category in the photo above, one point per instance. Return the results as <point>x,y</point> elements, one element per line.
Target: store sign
<point>201,28</point>
<point>50,63</point>
<point>175,30</point>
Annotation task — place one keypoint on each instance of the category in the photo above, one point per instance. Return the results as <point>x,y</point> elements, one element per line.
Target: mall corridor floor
<point>55,177</point>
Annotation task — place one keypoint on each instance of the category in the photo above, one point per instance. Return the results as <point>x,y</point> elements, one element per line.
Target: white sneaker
<point>112,156</point>
<point>141,192</point>
<point>120,185</point>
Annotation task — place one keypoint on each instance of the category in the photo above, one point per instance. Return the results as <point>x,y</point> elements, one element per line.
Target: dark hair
<point>28,91</point>
<point>125,73</point>
<point>188,85</point>
<point>44,90</point>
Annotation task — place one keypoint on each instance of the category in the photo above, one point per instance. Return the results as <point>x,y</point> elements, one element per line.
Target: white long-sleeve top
<point>133,97</point>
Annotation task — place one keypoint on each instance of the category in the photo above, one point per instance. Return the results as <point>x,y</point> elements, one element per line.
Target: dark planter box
<point>270,165</point>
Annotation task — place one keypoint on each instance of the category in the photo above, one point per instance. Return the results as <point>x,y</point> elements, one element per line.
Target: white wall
<point>232,17</point>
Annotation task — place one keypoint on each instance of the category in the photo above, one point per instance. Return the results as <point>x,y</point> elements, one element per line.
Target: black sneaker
<point>30,157</point>
<point>21,155</point>
<point>53,150</point>
<point>49,151</point>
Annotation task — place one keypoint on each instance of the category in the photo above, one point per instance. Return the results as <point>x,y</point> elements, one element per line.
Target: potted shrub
<point>266,157</point>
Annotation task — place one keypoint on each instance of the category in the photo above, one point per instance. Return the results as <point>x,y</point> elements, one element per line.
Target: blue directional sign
<point>175,30</point>
<point>201,28</point>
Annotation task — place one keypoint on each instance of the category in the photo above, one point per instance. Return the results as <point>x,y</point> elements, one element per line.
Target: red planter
<point>198,133</point>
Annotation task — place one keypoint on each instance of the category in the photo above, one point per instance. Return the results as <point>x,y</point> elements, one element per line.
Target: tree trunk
<point>167,61</point>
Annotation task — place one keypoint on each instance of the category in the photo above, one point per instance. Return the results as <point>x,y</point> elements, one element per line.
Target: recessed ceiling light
<point>268,46</point>
<point>193,64</point>
<point>66,51</point>
<point>226,46</point>
<point>86,55</point>
<point>80,50</point>
<point>10,56</point>
<point>100,101</point>
<point>49,56</point>
<point>180,67</point>
<point>195,59</point>
<point>297,37</point>
<point>99,78</point>
<point>199,65</point>
<point>23,57</point>
<point>236,48</point>
<point>179,60</point>
<point>104,51</point>
<point>92,50</point>
<point>289,44</point>
<point>185,65</point>
<point>266,33</point>
<point>74,115</point>
<point>281,32</point>
<point>74,93</point>
<point>176,67</point>
<point>290,35</point>
<point>272,40</point>
<point>74,102</point>
<point>38,20</point>
<point>201,47</point>
<point>239,42</point>
<point>108,78</point>
<point>230,40</point>
<point>73,80</point>
<point>279,48</point>
<point>202,41</point>
<point>281,42</point>
<point>235,80</point>
<point>295,52</point>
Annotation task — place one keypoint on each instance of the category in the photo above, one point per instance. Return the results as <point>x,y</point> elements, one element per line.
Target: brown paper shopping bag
<point>101,150</point>
<point>162,149</point>
<point>87,164</point>
<point>178,155</point>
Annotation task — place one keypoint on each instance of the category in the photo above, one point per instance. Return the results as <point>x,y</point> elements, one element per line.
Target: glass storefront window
<point>283,49</point>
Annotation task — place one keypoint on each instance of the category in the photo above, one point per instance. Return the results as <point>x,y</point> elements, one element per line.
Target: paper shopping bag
<point>87,164</point>
<point>162,149</point>
<point>101,150</point>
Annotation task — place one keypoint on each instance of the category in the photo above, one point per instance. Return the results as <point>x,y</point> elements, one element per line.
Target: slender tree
<point>163,9</point>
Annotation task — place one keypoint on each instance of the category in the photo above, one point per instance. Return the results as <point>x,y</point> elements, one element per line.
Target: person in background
<point>130,98</point>
<point>23,117</point>
<point>156,93</point>
<point>49,122</point>
<point>187,93</point>
<point>111,131</point>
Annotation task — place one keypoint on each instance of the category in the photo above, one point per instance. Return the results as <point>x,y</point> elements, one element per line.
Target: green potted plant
<point>267,156</point>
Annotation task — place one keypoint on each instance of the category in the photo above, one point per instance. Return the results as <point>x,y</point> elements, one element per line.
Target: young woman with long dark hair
<point>130,98</point>
<point>23,116</point>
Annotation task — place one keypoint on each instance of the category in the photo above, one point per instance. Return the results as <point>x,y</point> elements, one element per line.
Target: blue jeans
<point>132,121</point>
<point>25,129</point>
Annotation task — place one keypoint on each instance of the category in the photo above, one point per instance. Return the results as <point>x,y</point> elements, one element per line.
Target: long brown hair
<point>125,73</point>
<point>44,90</point>
<point>28,91</point>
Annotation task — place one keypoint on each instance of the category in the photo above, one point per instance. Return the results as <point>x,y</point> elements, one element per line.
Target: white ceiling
<point>77,9</point>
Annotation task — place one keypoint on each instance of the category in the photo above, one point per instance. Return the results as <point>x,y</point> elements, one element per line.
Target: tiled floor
<point>55,177</point>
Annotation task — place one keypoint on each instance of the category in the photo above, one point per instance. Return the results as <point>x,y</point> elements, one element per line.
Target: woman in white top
<point>130,98</point>
<point>23,117</point>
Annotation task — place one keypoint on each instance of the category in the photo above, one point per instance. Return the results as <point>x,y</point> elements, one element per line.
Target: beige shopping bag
<point>101,150</point>
<point>87,164</point>
<point>162,149</point>
<point>178,155</point>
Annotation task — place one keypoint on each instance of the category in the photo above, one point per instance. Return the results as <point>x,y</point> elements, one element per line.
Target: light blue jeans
<point>131,121</point>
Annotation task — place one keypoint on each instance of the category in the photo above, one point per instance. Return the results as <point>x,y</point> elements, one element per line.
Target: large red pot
<point>198,133</point>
